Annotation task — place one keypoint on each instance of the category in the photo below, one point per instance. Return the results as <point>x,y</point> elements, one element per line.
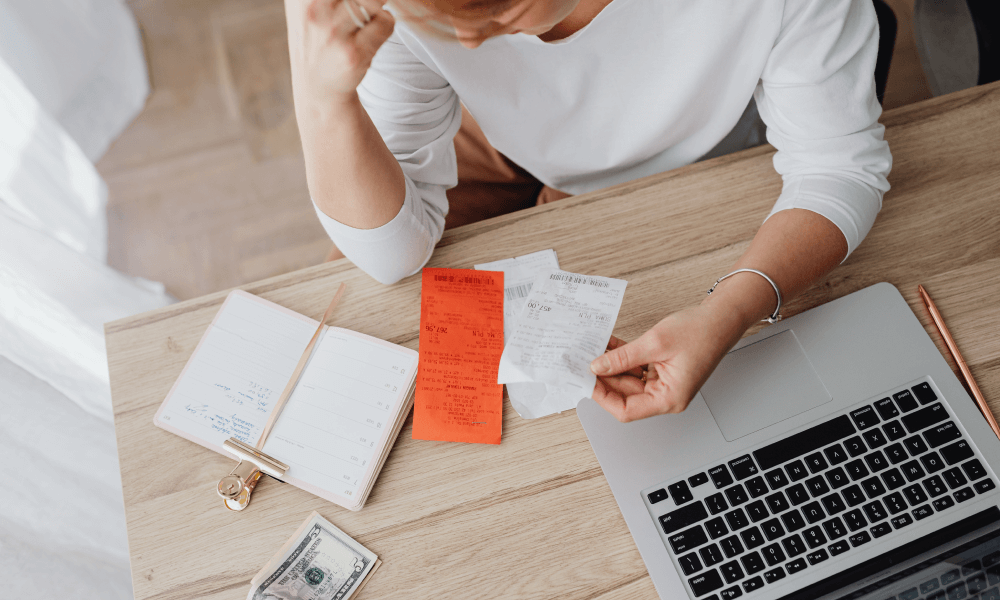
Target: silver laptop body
<point>917,520</point>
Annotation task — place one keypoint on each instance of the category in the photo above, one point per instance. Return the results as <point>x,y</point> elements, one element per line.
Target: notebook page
<point>342,413</point>
<point>237,372</point>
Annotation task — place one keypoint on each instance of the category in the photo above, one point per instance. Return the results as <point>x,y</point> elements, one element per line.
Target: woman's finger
<point>375,33</point>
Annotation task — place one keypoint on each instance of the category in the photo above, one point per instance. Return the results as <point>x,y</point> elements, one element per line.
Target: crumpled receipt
<point>565,323</point>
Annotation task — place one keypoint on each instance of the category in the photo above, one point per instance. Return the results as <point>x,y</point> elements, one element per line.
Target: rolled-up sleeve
<point>417,114</point>
<point>817,98</point>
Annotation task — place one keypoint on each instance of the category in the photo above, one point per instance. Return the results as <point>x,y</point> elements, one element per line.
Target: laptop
<point>832,455</point>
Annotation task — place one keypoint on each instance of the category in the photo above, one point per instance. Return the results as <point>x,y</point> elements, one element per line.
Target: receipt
<point>565,323</point>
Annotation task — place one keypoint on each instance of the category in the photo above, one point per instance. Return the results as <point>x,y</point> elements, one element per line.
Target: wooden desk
<point>534,516</point>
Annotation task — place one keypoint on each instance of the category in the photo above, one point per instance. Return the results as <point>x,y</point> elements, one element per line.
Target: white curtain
<point>62,526</point>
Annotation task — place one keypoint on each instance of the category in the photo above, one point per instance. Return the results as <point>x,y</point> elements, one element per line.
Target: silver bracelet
<point>775,317</point>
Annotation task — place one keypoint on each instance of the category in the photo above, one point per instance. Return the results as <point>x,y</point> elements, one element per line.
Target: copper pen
<point>962,366</point>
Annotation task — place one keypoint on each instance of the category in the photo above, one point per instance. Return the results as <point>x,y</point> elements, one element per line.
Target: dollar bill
<point>319,562</point>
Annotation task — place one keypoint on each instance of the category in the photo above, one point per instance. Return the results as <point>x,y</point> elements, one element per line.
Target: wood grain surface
<point>534,516</point>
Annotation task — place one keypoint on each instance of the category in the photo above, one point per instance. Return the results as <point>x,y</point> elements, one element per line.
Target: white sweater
<point>647,86</point>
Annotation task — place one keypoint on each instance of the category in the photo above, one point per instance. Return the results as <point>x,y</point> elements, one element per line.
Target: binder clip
<point>236,487</point>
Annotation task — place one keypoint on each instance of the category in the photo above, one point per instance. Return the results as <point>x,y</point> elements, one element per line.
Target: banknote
<point>319,562</point>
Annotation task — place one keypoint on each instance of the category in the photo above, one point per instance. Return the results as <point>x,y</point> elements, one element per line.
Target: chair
<point>958,42</point>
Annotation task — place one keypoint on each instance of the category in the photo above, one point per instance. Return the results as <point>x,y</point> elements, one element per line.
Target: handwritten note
<point>458,398</point>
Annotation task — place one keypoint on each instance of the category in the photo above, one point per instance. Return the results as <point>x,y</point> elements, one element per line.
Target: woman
<point>584,94</point>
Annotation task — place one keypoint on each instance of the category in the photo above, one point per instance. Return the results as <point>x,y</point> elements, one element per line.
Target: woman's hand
<point>329,53</point>
<point>680,352</point>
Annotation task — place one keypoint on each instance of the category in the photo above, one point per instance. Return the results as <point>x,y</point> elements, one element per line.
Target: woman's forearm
<point>352,176</point>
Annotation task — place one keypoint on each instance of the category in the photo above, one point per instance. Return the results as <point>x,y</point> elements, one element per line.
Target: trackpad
<point>763,384</point>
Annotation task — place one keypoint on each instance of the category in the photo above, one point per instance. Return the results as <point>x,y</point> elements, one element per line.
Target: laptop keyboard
<point>774,512</point>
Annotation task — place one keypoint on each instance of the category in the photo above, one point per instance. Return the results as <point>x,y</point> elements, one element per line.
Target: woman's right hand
<point>329,53</point>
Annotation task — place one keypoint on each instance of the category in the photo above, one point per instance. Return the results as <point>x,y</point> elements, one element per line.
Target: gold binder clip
<point>236,487</point>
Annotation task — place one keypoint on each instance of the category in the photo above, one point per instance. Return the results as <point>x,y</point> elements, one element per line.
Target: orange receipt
<point>458,398</point>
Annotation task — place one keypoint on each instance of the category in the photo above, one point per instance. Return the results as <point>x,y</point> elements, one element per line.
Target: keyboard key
<point>895,503</point>
<point>893,479</point>
<point>875,511</point>
<point>856,469</point>
<point>963,494</point>
<point>865,417</point>
<point>743,467</point>
<point>873,487</point>
<point>924,393</point>
<point>796,565</point>
<point>682,517</point>
<point>881,529</point>
<point>774,575</point>
<point>817,556</point>
<point>886,409</point>
<point>957,452</point>
<point>756,487</point>
<point>731,593</point>
<point>932,462</point>
<point>984,486</point>
<point>794,545</point>
<point>913,471</point>
<point>876,461</point>
<point>835,454</point>
<point>836,477</point>
<point>853,495</point>
<point>793,520</point>
<point>813,512</point>
<point>855,447</point>
<point>954,478</point>
<point>893,430</point>
<point>814,537</point>
<point>772,529</point>
<point>699,479</point>
<point>833,504</point>
<point>816,486</point>
<point>942,434</point>
<point>797,494</point>
<point>731,546</point>
<point>943,503</point>
<point>657,496</point>
<point>974,469</point>
<point>968,568</point>
<point>958,592</point>
<point>716,503</point>
<point>874,438</point>
<point>929,586</point>
<point>904,400</point>
<point>711,555</point>
<point>720,476</point>
<point>754,583</point>
<point>910,594</point>
<point>737,519</point>
<point>895,453</point>
<point>839,547</point>
<point>934,486</point>
<point>991,559</point>
<point>705,583</point>
<point>915,445</point>
<point>716,528</point>
<point>834,528</point>
<point>976,583</point>
<point>859,538</point>
<point>796,470</point>
<point>951,577</point>
<point>915,494</point>
<point>815,462</point>
<point>689,563</point>
<point>689,539</point>
<point>922,512</point>
<point>752,538</point>
<point>777,503</point>
<point>752,563</point>
<point>777,479</point>
<point>804,442</point>
<point>901,521</point>
<point>925,417</point>
<point>736,495</point>
<point>757,511</point>
<point>680,492</point>
<point>773,554</point>
<point>855,520</point>
<point>732,571</point>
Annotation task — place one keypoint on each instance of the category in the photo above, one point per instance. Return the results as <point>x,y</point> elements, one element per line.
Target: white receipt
<point>565,323</point>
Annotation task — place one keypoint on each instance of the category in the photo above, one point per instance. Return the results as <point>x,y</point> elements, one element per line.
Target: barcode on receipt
<point>517,291</point>
<point>578,279</point>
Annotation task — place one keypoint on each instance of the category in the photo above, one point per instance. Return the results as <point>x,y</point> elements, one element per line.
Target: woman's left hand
<point>680,352</point>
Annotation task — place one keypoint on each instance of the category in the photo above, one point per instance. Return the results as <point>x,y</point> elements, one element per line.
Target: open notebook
<point>338,425</point>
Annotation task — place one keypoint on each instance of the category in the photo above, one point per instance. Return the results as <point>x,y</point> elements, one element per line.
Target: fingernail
<point>600,366</point>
